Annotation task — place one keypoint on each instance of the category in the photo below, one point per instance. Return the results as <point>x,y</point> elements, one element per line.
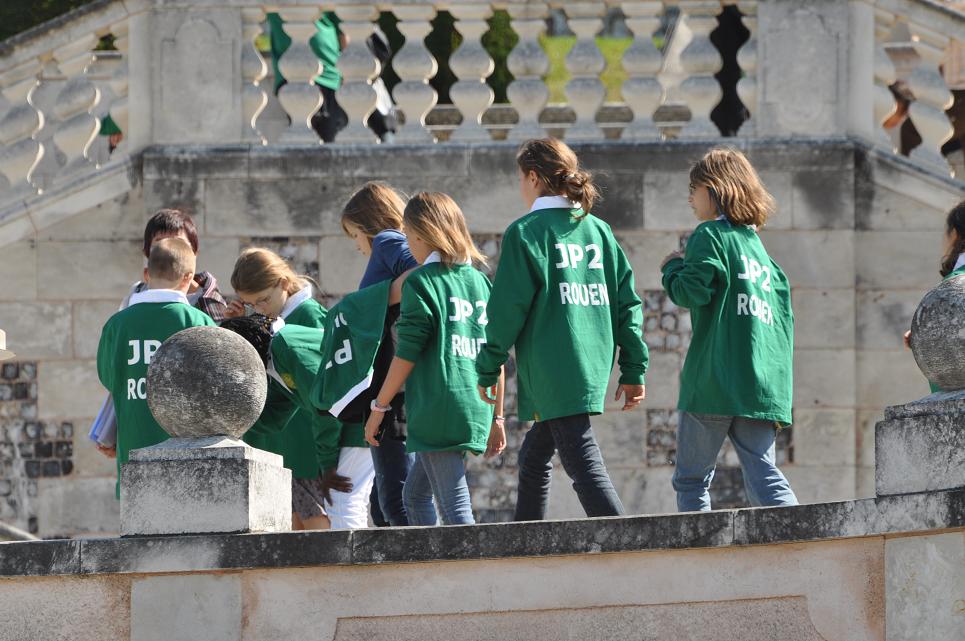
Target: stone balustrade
<point>203,76</point>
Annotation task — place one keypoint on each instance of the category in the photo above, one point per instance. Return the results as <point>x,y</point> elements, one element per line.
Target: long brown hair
<point>374,208</point>
<point>735,186</point>
<point>559,171</point>
<point>258,269</point>
<point>437,219</point>
<point>954,223</point>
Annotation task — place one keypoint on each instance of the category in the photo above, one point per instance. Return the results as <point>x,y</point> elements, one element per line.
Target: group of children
<point>399,382</point>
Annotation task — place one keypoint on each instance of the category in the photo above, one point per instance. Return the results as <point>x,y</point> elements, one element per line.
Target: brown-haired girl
<point>264,281</point>
<point>440,329</point>
<point>736,381</point>
<point>564,296</point>
<point>373,219</point>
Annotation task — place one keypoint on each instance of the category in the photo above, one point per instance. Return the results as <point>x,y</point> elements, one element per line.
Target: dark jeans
<point>573,438</point>
<point>330,118</point>
<point>392,466</point>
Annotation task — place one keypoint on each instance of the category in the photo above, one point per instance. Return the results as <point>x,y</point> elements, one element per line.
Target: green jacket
<point>740,358</point>
<point>958,272</point>
<point>564,296</point>
<point>441,327</point>
<point>293,439</point>
<point>127,342</point>
<point>324,43</point>
<point>294,364</point>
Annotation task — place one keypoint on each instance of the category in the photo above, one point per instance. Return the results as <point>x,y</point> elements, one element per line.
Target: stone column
<point>884,72</point>
<point>18,121</point>
<point>861,69</point>
<point>359,68</point>
<point>76,99</point>
<point>642,61</point>
<point>528,63</point>
<point>700,60</point>
<point>472,65</point>
<point>932,97</point>
<point>43,97</point>
<point>253,71</point>
<point>415,66</point>
<point>101,72</point>
<point>119,85</point>
<point>747,60</point>
<point>300,98</point>
<point>585,90</point>
<point>205,386</point>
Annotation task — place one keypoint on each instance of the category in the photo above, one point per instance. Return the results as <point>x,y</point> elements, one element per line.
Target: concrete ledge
<point>908,514</point>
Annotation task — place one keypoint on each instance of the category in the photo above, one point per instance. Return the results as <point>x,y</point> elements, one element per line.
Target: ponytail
<point>559,171</point>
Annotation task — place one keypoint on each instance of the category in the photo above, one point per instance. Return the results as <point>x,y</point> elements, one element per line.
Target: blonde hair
<point>374,208</point>
<point>437,219</point>
<point>558,169</point>
<point>170,259</point>
<point>258,269</point>
<point>735,186</point>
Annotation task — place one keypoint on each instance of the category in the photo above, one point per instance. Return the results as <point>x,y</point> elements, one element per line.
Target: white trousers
<point>350,510</point>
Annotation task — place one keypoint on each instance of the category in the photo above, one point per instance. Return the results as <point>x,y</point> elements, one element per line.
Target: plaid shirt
<point>207,297</point>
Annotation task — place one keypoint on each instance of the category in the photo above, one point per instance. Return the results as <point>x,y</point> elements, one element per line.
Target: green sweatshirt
<point>324,44</point>
<point>958,272</point>
<point>740,357</point>
<point>441,327</point>
<point>564,295</point>
<point>295,361</point>
<point>295,440</point>
<point>127,343</point>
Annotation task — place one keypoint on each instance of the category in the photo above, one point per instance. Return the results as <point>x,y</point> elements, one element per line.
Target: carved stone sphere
<point>938,335</point>
<point>205,381</point>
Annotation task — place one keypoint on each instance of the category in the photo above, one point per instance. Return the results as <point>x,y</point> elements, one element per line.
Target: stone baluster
<point>359,68</point>
<point>77,98</point>
<point>415,66</point>
<point>884,77</point>
<point>700,60</point>
<point>932,96</point>
<point>119,106</point>
<point>747,60</point>
<point>253,71</point>
<point>585,90</point>
<point>472,65</point>
<point>43,97</point>
<point>528,63</point>
<point>18,121</point>
<point>642,60</point>
<point>101,71</point>
<point>299,97</point>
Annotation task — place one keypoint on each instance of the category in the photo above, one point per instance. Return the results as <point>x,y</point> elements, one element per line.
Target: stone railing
<point>194,74</point>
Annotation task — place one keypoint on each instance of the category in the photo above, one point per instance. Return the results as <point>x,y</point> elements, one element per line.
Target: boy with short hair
<point>132,336</point>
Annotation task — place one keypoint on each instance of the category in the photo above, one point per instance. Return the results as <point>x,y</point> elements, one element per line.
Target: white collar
<point>295,300</point>
<point>158,296</point>
<point>553,202</point>
<point>435,257</point>
<point>960,262</point>
<point>724,218</point>
<point>277,325</point>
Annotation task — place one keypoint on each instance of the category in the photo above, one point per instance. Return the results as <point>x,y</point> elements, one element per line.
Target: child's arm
<point>399,371</point>
<point>497,434</point>
<point>691,281</point>
<point>327,432</point>
<point>512,296</point>
<point>634,356</point>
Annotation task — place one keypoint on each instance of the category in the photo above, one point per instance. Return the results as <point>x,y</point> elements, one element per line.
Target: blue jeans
<point>582,460</point>
<point>699,438</point>
<point>392,466</point>
<point>443,475</point>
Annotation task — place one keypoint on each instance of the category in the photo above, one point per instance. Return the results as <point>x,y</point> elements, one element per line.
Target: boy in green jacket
<point>564,296</point>
<point>737,379</point>
<point>132,336</point>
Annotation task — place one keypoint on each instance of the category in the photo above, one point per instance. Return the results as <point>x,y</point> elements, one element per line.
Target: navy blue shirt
<point>390,258</point>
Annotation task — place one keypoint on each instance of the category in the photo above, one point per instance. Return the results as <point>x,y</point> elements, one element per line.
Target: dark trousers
<point>582,460</point>
<point>392,466</point>
<point>330,118</point>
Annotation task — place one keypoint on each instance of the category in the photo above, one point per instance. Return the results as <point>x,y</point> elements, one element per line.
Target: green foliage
<point>20,15</point>
<point>499,42</point>
<point>556,48</point>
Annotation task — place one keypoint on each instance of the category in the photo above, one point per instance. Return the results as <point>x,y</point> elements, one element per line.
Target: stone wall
<point>859,235</point>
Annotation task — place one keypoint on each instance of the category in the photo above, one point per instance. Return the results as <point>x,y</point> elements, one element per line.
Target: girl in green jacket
<point>564,297</point>
<point>268,285</point>
<point>737,379</point>
<point>441,328</point>
<point>953,260</point>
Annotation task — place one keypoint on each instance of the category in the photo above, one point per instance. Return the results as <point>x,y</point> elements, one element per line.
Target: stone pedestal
<point>920,446</point>
<point>203,485</point>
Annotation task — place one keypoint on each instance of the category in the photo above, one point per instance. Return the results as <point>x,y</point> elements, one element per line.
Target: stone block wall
<point>859,236</point>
